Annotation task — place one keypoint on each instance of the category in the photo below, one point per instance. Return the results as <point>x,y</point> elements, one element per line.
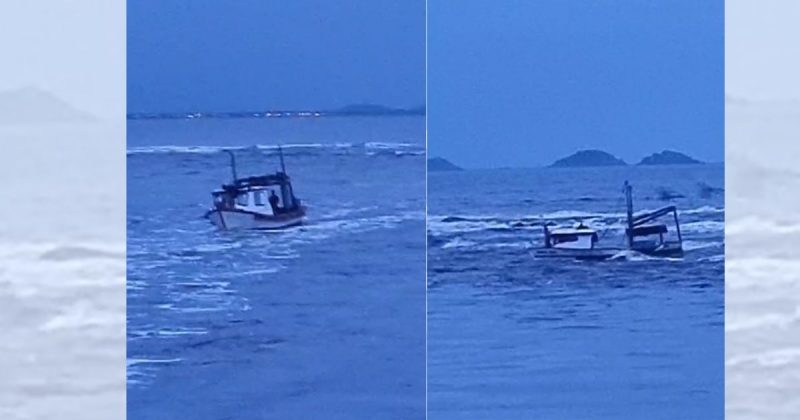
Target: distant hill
<point>438,164</point>
<point>363,110</point>
<point>669,157</point>
<point>585,158</point>
<point>31,105</point>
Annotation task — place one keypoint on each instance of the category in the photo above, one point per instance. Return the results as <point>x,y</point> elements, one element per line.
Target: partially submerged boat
<point>643,234</point>
<point>257,202</point>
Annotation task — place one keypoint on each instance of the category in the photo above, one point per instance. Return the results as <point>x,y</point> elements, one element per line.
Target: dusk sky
<point>210,55</point>
<point>519,83</point>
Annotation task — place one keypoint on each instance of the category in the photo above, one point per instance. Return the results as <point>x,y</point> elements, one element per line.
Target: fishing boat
<point>256,202</point>
<point>643,234</point>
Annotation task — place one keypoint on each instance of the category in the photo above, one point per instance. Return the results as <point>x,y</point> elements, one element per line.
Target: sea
<point>762,304</point>
<point>325,320</point>
<point>514,337</point>
<point>62,270</point>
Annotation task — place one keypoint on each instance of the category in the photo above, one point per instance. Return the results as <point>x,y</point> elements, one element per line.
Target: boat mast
<point>233,164</point>
<point>280,152</point>
<point>629,211</point>
<point>677,226</point>
<point>547,243</point>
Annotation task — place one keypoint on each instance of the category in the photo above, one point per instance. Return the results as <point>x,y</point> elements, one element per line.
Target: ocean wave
<point>459,243</point>
<point>324,229</point>
<point>81,316</point>
<point>753,225</point>
<point>140,370</point>
<point>36,249</point>
<point>703,226</point>
<point>368,148</point>
<point>770,320</point>
<point>760,272</point>
<point>774,358</point>
<point>131,362</point>
<point>78,253</point>
<point>29,270</point>
<point>703,210</point>
<point>631,255</point>
<point>166,332</point>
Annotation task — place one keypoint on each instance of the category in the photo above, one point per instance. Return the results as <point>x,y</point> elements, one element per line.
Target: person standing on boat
<point>273,201</point>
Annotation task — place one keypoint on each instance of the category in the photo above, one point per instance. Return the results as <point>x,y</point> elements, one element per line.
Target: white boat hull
<point>227,220</point>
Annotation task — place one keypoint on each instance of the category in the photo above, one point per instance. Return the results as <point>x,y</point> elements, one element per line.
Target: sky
<point>521,84</point>
<point>761,59</point>
<point>73,50</point>
<point>211,55</point>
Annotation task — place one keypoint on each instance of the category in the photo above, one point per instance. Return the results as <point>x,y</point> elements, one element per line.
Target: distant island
<point>377,110</point>
<point>438,164</point>
<point>669,157</point>
<point>358,110</point>
<point>587,158</point>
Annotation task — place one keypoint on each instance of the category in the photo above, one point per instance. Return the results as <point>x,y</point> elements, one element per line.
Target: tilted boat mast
<point>233,164</point>
<point>629,210</point>
<point>280,153</point>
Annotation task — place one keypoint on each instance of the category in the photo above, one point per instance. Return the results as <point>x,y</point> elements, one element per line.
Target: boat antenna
<point>233,164</point>
<point>280,153</point>
<point>629,211</point>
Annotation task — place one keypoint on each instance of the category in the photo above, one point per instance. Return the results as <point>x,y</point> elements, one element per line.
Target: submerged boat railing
<point>636,222</point>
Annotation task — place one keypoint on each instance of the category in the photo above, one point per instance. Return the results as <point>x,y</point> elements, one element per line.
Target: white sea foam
<point>459,243</point>
<point>690,245</point>
<point>630,255</point>
<point>135,362</point>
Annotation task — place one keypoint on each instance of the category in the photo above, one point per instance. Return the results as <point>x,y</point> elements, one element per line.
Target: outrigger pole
<point>233,164</point>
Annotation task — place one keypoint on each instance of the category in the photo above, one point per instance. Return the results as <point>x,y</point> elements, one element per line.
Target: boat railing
<point>650,216</point>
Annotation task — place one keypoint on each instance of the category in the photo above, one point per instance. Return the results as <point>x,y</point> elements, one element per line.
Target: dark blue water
<point>511,337</point>
<point>322,321</point>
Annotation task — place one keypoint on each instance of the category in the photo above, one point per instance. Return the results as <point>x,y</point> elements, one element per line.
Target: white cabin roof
<point>573,231</point>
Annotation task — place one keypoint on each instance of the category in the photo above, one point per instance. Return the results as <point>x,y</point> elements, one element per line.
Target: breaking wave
<point>753,225</point>
<point>80,253</point>
<point>368,148</point>
<point>453,224</point>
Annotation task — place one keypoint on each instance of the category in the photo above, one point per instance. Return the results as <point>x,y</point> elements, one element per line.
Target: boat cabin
<point>269,195</point>
<point>647,236</point>
<point>580,237</point>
